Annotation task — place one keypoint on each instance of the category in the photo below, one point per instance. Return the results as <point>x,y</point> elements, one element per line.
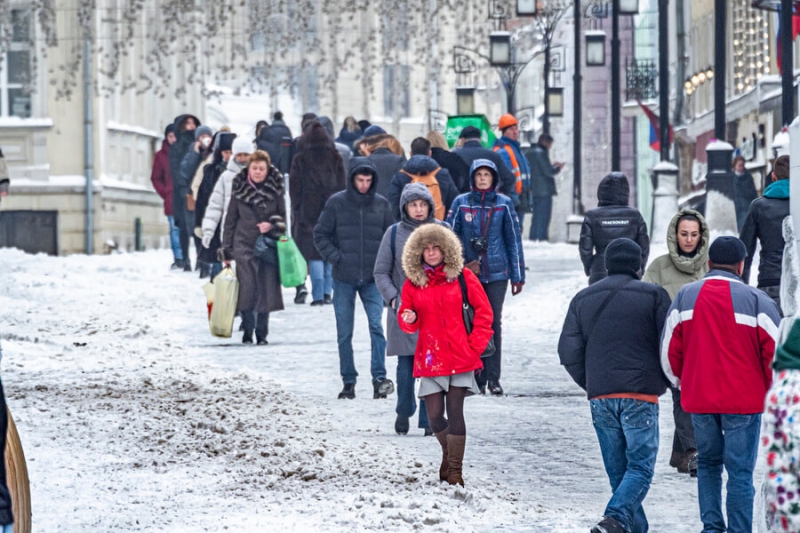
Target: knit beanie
<point>787,355</point>
<point>374,130</point>
<point>225,141</point>
<point>241,145</point>
<point>623,256</point>
<point>169,129</point>
<point>202,130</point>
<point>727,251</point>
<point>781,167</point>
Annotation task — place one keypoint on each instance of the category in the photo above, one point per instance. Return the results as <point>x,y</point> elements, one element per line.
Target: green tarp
<point>457,123</point>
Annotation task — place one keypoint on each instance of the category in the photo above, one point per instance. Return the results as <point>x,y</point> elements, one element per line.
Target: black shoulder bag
<point>469,316</point>
<point>265,249</point>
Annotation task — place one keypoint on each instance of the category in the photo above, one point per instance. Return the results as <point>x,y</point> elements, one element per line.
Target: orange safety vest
<point>514,166</point>
<point>430,181</point>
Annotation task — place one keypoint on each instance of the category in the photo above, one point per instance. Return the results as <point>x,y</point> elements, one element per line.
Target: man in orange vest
<point>509,149</point>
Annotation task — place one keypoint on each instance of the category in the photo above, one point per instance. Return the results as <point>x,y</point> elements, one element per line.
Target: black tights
<point>453,400</point>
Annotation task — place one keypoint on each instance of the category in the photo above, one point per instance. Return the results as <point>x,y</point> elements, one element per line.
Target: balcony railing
<point>641,79</point>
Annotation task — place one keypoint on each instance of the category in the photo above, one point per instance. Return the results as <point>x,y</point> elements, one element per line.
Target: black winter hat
<point>727,251</point>
<point>470,132</point>
<point>225,141</point>
<point>623,256</point>
<point>169,129</point>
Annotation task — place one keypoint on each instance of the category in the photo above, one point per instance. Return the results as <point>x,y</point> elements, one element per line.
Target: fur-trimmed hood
<point>441,236</point>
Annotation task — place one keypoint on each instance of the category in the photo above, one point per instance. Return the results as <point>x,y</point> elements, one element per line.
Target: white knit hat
<point>241,146</point>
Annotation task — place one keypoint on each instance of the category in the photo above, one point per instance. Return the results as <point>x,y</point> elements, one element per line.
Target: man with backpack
<point>422,168</point>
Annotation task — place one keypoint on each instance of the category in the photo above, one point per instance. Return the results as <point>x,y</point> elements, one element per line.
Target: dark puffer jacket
<point>764,222</point>
<point>183,143</point>
<point>600,358</point>
<point>271,139</point>
<point>612,219</point>
<point>351,227</point>
<point>387,164</point>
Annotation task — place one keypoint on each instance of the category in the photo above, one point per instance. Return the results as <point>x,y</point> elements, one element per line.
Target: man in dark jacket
<point>542,186</point>
<point>272,138</point>
<point>764,223</point>
<point>472,149</point>
<point>348,236</point>
<point>162,183</point>
<point>612,219</point>
<point>185,126</point>
<point>423,169</point>
<point>610,347</point>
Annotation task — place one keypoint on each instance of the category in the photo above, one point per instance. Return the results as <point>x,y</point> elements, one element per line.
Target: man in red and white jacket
<point>717,347</point>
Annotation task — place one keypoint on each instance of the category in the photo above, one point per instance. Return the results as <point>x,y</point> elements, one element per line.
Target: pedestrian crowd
<point>435,238</point>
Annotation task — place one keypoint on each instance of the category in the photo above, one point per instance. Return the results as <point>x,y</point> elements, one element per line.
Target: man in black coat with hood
<point>472,149</point>
<point>272,138</point>
<point>183,127</point>
<point>610,347</point>
<point>611,219</point>
<point>348,235</point>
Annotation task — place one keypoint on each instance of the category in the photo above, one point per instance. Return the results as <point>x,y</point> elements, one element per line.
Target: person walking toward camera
<point>487,225</point>
<point>610,347</point>
<point>446,356</point>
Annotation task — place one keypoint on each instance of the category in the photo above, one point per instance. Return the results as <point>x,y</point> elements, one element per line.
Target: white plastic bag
<point>223,310</point>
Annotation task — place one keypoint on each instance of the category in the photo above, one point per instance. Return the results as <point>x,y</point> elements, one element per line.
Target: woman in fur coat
<point>257,207</point>
<point>446,356</point>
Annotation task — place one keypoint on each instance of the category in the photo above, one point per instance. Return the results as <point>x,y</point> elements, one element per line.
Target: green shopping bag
<point>292,264</point>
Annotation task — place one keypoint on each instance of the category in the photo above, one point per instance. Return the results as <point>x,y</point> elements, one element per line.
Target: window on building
<point>750,46</point>
<point>15,67</point>
<point>396,90</point>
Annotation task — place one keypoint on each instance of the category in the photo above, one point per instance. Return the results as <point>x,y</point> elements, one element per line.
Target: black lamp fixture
<point>595,48</point>
<point>465,100</point>
<point>500,48</point>
<point>526,8</point>
<point>555,101</point>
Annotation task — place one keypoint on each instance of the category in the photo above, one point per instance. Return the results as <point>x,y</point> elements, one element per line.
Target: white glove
<point>206,241</point>
<point>198,232</point>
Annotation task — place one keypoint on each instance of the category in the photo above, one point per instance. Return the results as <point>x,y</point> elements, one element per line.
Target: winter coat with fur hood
<point>674,270</point>
<point>217,207</point>
<point>612,219</point>
<point>389,273</point>
<point>443,347</point>
<point>317,174</point>
<point>351,226</point>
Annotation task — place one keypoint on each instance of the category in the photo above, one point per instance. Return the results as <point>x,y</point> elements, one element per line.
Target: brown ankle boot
<point>455,457</point>
<point>445,467</point>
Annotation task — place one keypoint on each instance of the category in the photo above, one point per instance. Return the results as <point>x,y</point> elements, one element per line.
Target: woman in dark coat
<point>257,207</point>
<point>349,133</point>
<point>317,173</point>
<point>455,165</point>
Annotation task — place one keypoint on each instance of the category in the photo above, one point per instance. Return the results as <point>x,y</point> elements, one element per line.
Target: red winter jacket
<point>718,343</point>
<point>444,348</point>
<point>161,178</point>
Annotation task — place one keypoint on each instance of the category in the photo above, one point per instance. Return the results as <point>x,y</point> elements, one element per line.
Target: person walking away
<point>455,165</point>
<point>487,225</point>
<point>542,186</point>
<point>260,125</point>
<point>207,255</point>
<point>744,190</point>
<point>763,224</point>
<point>686,261</point>
<point>609,345</point>
<point>417,207</point>
<point>272,138</point>
<point>213,225</point>
<point>349,133</point>
<point>386,162</point>
<point>162,183</point>
<point>258,207</point>
<point>611,219</point>
<point>347,235</point>
<point>446,356</point>
<point>317,173</point>
<point>421,168</point>
<point>511,153</point>
<point>184,128</point>
<point>721,327</point>
<point>472,149</point>
<point>345,151</point>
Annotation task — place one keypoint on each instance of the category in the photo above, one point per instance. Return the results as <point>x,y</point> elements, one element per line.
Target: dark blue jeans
<point>321,279</point>
<point>175,239</point>
<point>730,441</point>
<point>344,307</point>
<point>542,210</point>
<point>406,400</point>
<point>627,430</point>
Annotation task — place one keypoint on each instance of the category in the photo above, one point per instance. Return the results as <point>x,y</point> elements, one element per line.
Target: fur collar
<point>443,237</point>
<point>263,193</point>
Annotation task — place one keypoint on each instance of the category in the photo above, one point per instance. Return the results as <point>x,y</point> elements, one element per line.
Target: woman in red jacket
<point>446,357</point>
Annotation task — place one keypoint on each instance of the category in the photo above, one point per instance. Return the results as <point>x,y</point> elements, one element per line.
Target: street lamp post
<point>577,134</point>
<point>663,79</point>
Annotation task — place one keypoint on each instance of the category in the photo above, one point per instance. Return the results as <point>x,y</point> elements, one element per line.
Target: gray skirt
<point>443,383</point>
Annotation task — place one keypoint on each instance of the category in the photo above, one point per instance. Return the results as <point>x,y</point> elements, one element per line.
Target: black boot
<point>300,295</point>
<point>205,270</point>
<point>177,265</point>
<point>248,324</point>
<point>187,265</point>
<point>262,328</point>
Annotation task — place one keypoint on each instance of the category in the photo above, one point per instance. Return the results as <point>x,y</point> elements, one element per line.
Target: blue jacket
<point>503,258</point>
<point>522,161</point>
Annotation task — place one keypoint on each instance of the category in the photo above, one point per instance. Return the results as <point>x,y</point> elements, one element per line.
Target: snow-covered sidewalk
<point>133,418</point>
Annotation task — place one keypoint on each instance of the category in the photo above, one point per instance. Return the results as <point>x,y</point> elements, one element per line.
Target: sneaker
<point>317,303</point>
<point>401,425</point>
<point>495,389</point>
<point>300,295</point>
<point>381,388</point>
<point>328,300</point>
<point>348,392</point>
<point>608,525</point>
